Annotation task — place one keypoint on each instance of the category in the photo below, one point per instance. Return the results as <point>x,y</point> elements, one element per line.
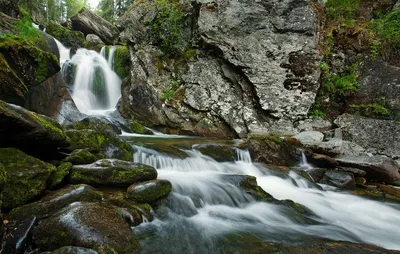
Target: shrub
<point>169,92</point>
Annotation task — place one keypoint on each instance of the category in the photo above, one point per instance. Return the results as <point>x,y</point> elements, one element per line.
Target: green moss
<point>54,128</point>
<point>58,176</point>
<point>136,127</point>
<point>81,156</point>
<point>371,110</point>
<point>249,184</point>
<point>387,27</point>
<point>26,177</point>
<point>122,61</point>
<point>342,11</point>
<point>65,35</point>
<point>274,138</point>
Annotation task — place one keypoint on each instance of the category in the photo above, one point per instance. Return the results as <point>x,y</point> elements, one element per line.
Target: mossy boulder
<point>136,127</point>
<point>23,65</point>
<point>88,225</point>
<point>33,133</point>
<point>70,39</point>
<point>58,176</point>
<point>122,60</point>
<point>271,149</point>
<point>149,191</point>
<point>72,250</point>
<point>25,177</point>
<point>104,142</point>
<point>80,156</point>
<point>55,201</point>
<point>218,152</point>
<point>111,172</point>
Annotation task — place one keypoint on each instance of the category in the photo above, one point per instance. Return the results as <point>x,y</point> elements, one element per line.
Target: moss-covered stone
<point>67,37</point>
<point>26,177</point>
<point>149,191</point>
<point>249,184</point>
<point>136,127</point>
<point>111,172</point>
<point>122,61</point>
<point>55,201</point>
<point>58,176</point>
<point>103,228</point>
<point>85,139</point>
<point>80,156</point>
<point>218,152</point>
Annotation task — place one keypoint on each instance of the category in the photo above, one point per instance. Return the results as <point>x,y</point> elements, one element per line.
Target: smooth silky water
<point>206,212</point>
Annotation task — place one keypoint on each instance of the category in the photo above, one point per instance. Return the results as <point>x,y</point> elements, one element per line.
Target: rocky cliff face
<point>255,68</point>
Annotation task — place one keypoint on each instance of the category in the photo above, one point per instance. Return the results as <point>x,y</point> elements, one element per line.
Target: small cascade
<point>304,163</point>
<point>96,88</point>
<point>64,52</point>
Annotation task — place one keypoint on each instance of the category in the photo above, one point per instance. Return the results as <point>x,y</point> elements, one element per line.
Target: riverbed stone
<point>89,225</point>
<point>335,146</point>
<point>33,133</point>
<point>55,201</point>
<point>24,177</point>
<point>219,153</point>
<point>111,172</point>
<point>80,156</point>
<point>149,191</point>
<point>58,176</point>
<point>379,136</point>
<point>378,168</point>
<point>343,180</point>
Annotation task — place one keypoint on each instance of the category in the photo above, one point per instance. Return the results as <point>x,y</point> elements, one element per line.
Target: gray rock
<point>94,42</point>
<point>90,23</point>
<point>396,6</point>
<point>355,171</point>
<point>149,191</point>
<point>257,72</point>
<point>315,123</point>
<point>378,168</point>
<point>111,172</point>
<point>335,147</point>
<point>343,180</point>
<point>308,137</point>
<point>219,153</point>
<point>379,136</point>
<point>89,225</point>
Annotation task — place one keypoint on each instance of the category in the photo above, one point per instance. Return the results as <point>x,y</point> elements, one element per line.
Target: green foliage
<point>169,92</point>
<point>388,27</point>
<point>317,112</point>
<point>25,29</point>
<point>342,11</point>
<point>166,26</point>
<point>339,85</point>
<point>375,109</point>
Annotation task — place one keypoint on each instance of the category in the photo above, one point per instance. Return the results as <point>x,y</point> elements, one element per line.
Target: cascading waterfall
<point>96,87</point>
<point>64,52</point>
<point>206,211</point>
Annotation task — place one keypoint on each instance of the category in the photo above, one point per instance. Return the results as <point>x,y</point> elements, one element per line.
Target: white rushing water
<point>206,207</point>
<point>96,87</point>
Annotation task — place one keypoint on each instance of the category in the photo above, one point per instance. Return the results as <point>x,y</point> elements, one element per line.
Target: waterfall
<point>206,210</point>
<point>304,163</point>
<point>96,87</point>
<point>64,52</point>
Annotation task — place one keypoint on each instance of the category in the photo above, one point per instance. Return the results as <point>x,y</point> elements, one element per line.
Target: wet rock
<point>112,172</point>
<point>316,174</point>
<point>33,133</point>
<point>309,137</point>
<point>78,224</point>
<point>376,135</point>
<point>249,184</point>
<point>55,201</point>
<point>273,150</point>
<point>70,39</point>
<point>379,168</point>
<point>97,123</point>
<point>149,191</point>
<point>72,250</point>
<point>343,180</point>
<point>80,156</point>
<point>321,160</point>
<point>355,171</point>
<point>94,42</point>
<point>17,239</point>
<point>58,176</point>
<point>335,147</point>
<point>90,23</point>
<point>107,143</point>
<point>219,153</point>
<point>136,127</point>
<point>24,177</point>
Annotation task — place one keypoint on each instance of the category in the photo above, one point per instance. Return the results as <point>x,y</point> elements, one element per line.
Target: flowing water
<point>96,87</point>
<point>207,212</point>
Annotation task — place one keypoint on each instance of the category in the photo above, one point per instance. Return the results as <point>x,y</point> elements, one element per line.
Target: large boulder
<point>70,39</point>
<point>379,136</point>
<point>90,23</point>
<point>24,177</point>
<point>111,172</point>
<point>379,168</point>
<point>149,191</point>
<point>31,132</point>
<point>238,81</point>
<point>89,225</point>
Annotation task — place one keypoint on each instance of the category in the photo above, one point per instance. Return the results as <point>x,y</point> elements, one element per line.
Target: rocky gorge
<point>282,119</point>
